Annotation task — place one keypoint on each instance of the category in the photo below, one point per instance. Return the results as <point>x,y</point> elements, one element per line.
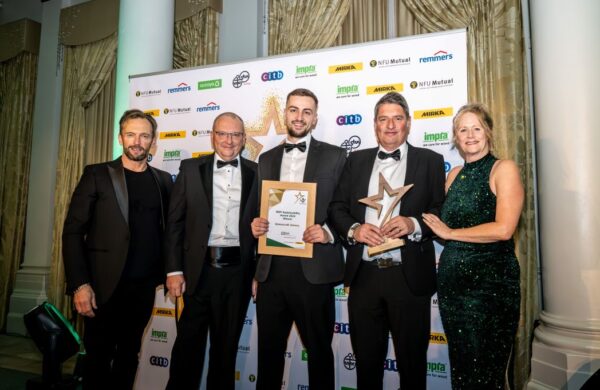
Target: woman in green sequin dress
<point>478,275</point>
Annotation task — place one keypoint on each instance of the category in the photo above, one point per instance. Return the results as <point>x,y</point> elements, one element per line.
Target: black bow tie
<point>301,146</point>
<point>221,164</point>
<point>383,155</point>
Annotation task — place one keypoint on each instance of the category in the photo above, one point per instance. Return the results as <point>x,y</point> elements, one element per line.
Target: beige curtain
<point>85,136</point>
<point>366,21</point>
<point>17,91</point>
<point>296,25</point>
<point>498,78</point>
<point>196,40</point>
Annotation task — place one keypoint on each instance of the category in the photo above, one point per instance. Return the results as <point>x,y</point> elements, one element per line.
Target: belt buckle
<point>385,262</point>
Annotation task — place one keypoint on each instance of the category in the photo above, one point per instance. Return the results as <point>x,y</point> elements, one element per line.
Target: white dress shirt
<point>226,198</point>
<point>395,173</point>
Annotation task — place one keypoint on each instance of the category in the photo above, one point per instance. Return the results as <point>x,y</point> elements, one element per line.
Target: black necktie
<point>301,146</point>
<point>383,155</point>
<point>221,164</point>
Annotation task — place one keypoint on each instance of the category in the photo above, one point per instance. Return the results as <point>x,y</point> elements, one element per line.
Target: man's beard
<point>141,157</point>
<point>295,133</point>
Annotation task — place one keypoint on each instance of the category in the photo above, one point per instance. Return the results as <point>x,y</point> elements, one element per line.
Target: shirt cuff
<point>326,228</point>
<point>418,233</point>
<point>174,273</point>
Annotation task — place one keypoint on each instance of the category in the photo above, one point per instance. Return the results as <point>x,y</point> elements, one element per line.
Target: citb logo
<point>341,327</point>
<point>272,76</point>
<point>352,119</point>
<point>159,361</point>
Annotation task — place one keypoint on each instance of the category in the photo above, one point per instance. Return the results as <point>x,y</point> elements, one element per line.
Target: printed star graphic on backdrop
<point>374,201</point>
<point>271,113</point>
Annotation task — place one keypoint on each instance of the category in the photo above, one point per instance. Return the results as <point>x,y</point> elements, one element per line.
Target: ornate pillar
<point>566,59</point>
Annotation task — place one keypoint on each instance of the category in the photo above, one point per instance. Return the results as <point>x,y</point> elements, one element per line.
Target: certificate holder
<point>290,209</point>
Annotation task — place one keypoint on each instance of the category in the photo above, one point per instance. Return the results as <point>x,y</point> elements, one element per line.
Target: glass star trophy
<point>375,201</point>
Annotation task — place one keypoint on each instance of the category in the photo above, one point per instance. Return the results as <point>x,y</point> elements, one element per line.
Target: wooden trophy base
<point>389,244</point>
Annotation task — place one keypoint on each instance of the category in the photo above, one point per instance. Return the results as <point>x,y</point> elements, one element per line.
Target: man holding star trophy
<point>390,262</point>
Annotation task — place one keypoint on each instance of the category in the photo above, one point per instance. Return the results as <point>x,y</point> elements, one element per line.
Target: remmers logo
<point>210,106</point>
<point>241,79</point>
<point>272,76</point>
<point>210,84</point>
<point>181,87</point>
<point>440,55</point>
<point>352,119</point>
<point>346,68</point>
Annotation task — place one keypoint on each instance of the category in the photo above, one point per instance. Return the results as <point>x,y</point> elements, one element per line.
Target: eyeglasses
<point>223,135</point>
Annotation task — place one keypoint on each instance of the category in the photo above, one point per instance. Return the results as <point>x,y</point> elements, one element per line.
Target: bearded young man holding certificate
<point>293,289</point>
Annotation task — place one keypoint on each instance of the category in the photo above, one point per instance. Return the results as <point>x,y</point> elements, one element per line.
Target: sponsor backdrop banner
<point>429,70</point>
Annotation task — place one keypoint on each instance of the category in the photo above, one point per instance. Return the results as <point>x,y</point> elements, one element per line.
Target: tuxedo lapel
<point>206,178</point>
<point>117,176</point>
<point>276,164</point>
<point>412,162</point>
<point>312,160</point>
<point>364,175</point>
<point>247,179</point>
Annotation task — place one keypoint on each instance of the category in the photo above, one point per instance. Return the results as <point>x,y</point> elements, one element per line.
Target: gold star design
<point>374,201</point>
<point>271,113</point>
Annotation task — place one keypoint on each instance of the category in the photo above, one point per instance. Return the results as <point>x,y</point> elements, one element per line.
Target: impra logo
<point>346,68</point>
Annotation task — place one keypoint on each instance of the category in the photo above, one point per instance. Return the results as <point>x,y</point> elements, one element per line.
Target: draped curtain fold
<point>196,40</point>
<point>365,21</point>
<point>296,25</point>
<point>497,77</point>
<point>85,136</point>
<point>17,91</point>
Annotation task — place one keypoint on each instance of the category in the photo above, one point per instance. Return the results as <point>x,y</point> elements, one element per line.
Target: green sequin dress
<point>478,286</point>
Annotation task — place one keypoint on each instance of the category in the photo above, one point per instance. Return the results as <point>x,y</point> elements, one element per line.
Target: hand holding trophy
<point>374,201</point>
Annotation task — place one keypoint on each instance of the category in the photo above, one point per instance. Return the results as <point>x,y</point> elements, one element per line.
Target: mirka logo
<point>437,338</point>
<point>181,87</point>
<point>382,63</point>
<point>306,71</point>
<point>439,55</point>
<point>200,154</point>
<point>154,112</point>
<point>433,113</point>
<point>172,134</point>
<point>148,93</point>
<point>346,68</point>
<point>163,312</point>
<point>439,83</point>
<point>377,89</point>
<point>177,110</point>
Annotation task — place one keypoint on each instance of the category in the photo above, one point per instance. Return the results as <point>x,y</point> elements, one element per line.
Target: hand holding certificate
<point>290,209</point>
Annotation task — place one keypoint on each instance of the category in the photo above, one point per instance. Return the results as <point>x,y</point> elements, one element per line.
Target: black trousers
<point>112,339</point>
<point>218,305</point>
<point>380,302</point>
<point>284,298</point>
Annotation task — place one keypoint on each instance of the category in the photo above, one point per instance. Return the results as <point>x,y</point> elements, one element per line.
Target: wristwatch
<point>351,231</point>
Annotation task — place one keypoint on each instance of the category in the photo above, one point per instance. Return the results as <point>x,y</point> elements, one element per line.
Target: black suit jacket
<point>424,169</point>
<point>96,231</point>
<point>190,219</point>
<point>324,165</point>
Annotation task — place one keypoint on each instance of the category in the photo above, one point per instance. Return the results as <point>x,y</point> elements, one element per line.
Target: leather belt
<point>383,262</point>
<point>223,256</point>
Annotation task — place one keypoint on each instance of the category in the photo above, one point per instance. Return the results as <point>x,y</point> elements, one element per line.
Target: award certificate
<point>290,209</point>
